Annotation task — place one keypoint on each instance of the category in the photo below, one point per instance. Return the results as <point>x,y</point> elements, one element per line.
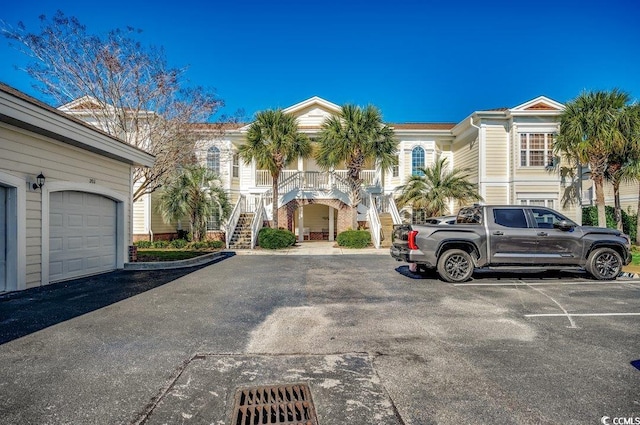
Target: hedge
<point>180,244</point>
<point>590,218</point>
<point>275,238</point>
<point>354,238</point>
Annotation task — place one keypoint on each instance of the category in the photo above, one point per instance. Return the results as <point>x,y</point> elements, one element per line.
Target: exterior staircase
<point>386,225</point>
<point>241,237</point>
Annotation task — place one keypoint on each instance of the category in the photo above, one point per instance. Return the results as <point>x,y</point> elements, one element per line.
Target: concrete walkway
<point>315,248</point>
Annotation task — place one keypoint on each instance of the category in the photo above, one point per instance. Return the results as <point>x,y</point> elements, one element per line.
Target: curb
<point>178,264</point>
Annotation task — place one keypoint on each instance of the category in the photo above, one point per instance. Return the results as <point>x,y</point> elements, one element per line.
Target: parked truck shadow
<point>25,312</point>
<point>480,275</point>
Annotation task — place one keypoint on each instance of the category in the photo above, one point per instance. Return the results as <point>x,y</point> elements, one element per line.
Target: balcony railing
<point>314,179</point>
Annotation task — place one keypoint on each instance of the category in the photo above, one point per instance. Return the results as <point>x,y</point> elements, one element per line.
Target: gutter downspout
<point>480,162</point>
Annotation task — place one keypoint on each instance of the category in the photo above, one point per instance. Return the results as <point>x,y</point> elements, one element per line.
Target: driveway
<point>374,343</point>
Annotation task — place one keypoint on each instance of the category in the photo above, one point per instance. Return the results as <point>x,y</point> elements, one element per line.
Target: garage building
<point>65,195</point>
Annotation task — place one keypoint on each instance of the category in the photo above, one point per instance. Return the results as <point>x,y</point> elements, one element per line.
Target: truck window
<point>470,215</point>
<point>510,217</point>
<point>545,219</point>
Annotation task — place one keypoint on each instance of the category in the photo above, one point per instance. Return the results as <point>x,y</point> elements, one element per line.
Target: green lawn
<point>152,254</point>
<point>635,258</point>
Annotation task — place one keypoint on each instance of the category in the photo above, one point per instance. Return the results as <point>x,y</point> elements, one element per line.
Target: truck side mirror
<point>563,225</point>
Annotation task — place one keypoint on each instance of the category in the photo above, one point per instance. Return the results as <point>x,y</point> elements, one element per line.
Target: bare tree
<point>121,86</point>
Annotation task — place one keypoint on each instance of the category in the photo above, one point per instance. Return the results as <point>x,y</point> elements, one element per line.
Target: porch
<point>316,179</point>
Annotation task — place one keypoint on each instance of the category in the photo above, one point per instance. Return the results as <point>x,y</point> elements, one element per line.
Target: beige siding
<point>465,156</point>
<point>25,155</point>
<point>496,195</point>
<point>628,195</point>
<point>496,151</point>
<point>139,213</point>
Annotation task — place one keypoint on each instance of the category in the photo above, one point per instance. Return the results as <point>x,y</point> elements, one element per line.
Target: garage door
<point>82,235</point>
<point>3,239</point>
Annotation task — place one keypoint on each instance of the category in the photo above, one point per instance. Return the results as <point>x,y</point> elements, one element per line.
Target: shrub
<point>143,244</point>
<point>275,238</point>
<point>178,243</point>
<point>160,244</point>
<point>184,234</point>
<point>354,238</point>
<point>590,218</point>
<point>208,244</point>
<point>198,245</point>
<point>215,244</point>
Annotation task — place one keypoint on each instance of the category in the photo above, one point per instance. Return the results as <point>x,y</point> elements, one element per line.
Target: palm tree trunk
<point>638,218</point>
<point>617,207</point>
<point>599,187</point>
<point>274,201</point>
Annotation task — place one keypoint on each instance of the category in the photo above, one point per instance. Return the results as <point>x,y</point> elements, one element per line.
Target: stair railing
<point>258,220</point>
<point>233,219</point>
<point>392,208</point>
<point>374,222</point>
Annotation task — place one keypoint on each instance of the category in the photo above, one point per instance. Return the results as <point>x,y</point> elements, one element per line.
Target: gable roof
<point>539,105</point>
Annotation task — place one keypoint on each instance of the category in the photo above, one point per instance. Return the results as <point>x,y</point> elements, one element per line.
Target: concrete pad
<point>345,388</point>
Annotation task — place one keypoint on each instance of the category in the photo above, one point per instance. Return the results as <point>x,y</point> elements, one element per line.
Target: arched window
<point>417,161</point>
<point>213,159</point>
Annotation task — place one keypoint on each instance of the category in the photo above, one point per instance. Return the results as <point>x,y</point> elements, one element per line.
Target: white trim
<point>16,254</point>
<point>122,219</point>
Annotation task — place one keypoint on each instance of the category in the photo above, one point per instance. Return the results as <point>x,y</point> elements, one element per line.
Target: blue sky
<point>418,61</point>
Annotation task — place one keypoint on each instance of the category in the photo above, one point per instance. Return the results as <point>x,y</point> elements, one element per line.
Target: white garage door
<point>82,235</point>
<point>3,239</point>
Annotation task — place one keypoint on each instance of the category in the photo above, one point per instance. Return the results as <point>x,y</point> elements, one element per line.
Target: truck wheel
<point>604,264</point>
<point>455,265</point>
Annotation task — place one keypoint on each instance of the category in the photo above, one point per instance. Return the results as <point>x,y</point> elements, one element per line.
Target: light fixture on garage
<point>39,182</point>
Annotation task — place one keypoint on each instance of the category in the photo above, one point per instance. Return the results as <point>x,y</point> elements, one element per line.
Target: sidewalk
<point>315,248</point>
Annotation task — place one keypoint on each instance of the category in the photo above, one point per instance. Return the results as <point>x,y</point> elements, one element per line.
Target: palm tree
<point>195,193</point>
<point>274,141</point>
<point>436,187</point>
<point>356,136</point>
<point>623,165</point>
<point>590,127</point>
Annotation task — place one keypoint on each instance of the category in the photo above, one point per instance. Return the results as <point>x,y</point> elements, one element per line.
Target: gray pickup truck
<point>511,237</point>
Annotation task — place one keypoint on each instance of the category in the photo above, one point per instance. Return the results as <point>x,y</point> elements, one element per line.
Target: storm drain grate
<point>285,404</point>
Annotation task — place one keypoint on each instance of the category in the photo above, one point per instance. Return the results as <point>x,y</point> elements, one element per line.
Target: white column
<point>300,224</point>
<point>331,230</point>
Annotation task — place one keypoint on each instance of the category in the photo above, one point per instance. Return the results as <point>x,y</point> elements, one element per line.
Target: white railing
<point>258,220</point>
<point>393,209</point>
<point>263,177</point>
<point>374,222</point>
<point>368,177</point>
<point>233,219</point>
<point>386,204</point>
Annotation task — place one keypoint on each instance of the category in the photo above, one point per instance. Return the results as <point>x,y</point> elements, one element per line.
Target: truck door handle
<point>543,234</point>
<point>498,233</point>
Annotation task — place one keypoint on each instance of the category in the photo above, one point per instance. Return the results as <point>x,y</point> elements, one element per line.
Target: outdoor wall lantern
<point>39,182</point>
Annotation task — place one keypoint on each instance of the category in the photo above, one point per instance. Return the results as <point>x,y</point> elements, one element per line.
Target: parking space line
<point>581,314</point>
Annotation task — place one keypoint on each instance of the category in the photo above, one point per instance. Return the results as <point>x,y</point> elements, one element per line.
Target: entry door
<point>3,239</point>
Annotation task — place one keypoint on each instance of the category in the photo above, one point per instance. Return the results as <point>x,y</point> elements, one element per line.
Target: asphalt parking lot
<point>375,343</point>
